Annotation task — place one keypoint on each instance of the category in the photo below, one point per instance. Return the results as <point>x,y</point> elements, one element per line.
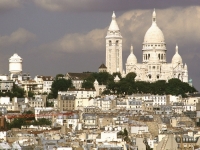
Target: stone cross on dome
<point>154,16</point>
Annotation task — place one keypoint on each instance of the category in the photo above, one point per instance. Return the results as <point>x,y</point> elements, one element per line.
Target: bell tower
<point>113,47</point>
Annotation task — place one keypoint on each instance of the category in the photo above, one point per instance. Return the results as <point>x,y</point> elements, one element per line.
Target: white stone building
<point>80,93</point>
<point>154,66</point>
<point>157,99</point>
<point>47,82</point>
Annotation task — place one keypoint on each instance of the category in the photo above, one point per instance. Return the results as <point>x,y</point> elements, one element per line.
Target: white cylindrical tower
<point>15,64</point>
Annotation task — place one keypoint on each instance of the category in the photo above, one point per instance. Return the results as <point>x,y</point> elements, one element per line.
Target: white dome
<point>154,34</point>
<point>131,60</point>
<point>176,58</point>
<point>15,58</point>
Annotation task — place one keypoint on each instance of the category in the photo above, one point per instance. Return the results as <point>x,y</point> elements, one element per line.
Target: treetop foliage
<point>59,84</point>
<point>126,85</point>
<point>15,92</point>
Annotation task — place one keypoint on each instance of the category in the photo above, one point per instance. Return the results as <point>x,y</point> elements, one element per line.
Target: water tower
<point>15,64</point>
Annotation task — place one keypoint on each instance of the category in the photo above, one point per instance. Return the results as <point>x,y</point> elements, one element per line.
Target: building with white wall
<point>80,93</point>
<point>47,82</point>
<point>154,65</point>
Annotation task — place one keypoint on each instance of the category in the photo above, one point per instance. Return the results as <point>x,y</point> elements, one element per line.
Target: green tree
<point>49,104</point>
<point>58,76</point>
<point>30,94</point>
<point>59,84</point>
<point>17,123</point>
<point>87,85</point>
<point>17,92</point>
<point>125,132</point>
<point>117,73</point>
<point>29,113</point>
<point>131,77</point>
<point>43,121</point>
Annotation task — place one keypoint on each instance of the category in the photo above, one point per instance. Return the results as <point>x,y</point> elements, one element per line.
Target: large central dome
<point>154,34</point>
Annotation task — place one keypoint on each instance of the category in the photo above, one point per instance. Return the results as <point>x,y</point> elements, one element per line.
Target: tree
<point>131,77</point>
<point>29,112</point>
<point>87,85</point>
<point>117,73</point>
<point>49,104</point>
<point>30,94</point>
<point>125,132</point>
<point>17,92</point>
<point>58,76</point>
<point>59,84</point>
<point>17,123</point>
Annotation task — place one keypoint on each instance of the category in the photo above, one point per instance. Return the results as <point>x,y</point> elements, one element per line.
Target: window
<point>149,76</point>
<point>117,43</point>
<point>110,43</point>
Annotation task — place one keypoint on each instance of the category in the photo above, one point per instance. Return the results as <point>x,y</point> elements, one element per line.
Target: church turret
<point>114,47</point>
<point>131,60</point>
<point>176,59</point>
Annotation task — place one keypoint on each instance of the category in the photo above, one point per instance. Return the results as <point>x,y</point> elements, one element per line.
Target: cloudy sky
<point>60,36</point>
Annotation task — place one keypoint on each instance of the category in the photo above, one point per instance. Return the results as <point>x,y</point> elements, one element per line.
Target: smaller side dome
<point>131,60</point>
<point>176,58</point>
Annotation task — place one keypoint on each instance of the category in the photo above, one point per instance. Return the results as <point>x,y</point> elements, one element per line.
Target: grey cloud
<point>78,42</point>
<point>18,37</point>
<point>9,4</point>
<point>15,42</point>
<point>107,5</point>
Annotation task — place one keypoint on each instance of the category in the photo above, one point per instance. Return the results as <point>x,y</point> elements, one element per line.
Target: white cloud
<point>61,5</point>
<point>19,37</point>
<point>178,25</point>
<point>93,40</point>
<point>9,4</point>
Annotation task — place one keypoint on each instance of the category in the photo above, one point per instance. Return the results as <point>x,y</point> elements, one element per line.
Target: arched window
<point>149,76</point>
<point>148,56</point>
<point>157,76</point>
<point>159,56</point>
<point>110,43</point>
<point>179,76</point>
<point>117,43</point>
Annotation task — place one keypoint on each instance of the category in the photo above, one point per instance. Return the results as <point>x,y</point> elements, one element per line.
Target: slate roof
<point>78,76</point>
<point>103,66</point>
